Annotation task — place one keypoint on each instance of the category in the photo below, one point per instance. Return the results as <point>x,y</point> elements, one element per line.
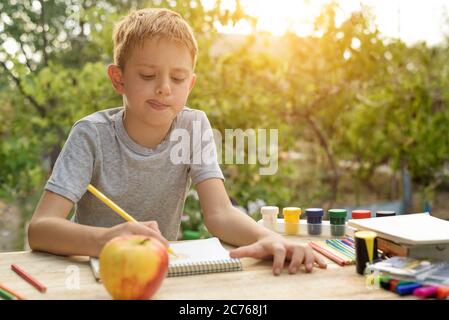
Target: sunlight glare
<point>411,20</point>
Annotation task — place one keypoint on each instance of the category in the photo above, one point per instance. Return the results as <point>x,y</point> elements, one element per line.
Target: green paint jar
<point>337,219</point>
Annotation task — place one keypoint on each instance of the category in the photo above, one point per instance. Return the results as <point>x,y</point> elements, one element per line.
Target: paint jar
<point>385,213</point>
<point>314,217</point>
<point>291,220</point>
<point>365,249</point>
<point>361,214</point>
<point>337,219</point>
<point>270,217</point>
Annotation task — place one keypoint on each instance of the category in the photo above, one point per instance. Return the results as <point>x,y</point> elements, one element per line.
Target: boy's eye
<point>178,79</point>
<point>148,76</point>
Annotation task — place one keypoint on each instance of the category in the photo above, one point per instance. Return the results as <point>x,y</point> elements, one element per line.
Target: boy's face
<point>155,82</point>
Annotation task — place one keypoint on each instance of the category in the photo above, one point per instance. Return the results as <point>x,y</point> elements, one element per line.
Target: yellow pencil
<point>115,207</point>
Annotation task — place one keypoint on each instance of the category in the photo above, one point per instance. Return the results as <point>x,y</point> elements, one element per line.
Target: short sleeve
<point>203,161</point>
<point>73,168</point>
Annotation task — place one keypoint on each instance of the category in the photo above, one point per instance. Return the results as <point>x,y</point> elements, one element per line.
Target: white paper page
<point>418,228</point>
<point>198,250</point>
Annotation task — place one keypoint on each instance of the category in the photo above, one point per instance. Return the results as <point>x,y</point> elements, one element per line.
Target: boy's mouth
<point>157,105</point>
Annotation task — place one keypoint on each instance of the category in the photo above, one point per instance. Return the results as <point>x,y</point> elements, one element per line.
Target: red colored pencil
<point>327,254</point>
<point>39,286</point>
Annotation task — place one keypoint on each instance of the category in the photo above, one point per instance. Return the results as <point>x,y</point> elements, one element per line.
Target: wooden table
<point>255,282</point>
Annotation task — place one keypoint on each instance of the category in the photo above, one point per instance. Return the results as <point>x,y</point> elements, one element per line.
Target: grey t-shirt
<point>146,183</point>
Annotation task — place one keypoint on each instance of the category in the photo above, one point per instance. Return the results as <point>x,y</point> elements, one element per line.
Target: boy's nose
<point>163,89</point>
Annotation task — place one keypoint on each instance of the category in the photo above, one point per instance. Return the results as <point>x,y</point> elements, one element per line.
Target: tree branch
<point>27,61</point>
<point>323,142</point>
<point>319,134</point>
<point>44,33</point>
<point>40,109</point>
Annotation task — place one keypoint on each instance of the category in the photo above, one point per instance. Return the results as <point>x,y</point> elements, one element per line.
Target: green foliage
<point>192,224</point>
<point>344,93</point>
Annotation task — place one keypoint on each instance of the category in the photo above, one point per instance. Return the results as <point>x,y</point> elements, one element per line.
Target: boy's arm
<point>50,231</point>
<point>235,227</point>
<point>224,220</point>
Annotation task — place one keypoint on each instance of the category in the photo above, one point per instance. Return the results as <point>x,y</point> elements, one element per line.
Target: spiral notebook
<point>193,257</point>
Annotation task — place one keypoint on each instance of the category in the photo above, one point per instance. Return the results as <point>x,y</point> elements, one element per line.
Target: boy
<point>127,154</point>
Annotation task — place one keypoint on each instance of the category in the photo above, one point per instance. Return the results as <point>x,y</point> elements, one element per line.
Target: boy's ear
<point>192,82</point>
<point>116,76</point>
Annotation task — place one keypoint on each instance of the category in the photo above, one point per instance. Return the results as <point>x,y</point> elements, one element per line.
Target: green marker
<point>384,282</point>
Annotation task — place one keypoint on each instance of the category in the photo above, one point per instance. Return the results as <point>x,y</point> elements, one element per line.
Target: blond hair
<point>150,23</point>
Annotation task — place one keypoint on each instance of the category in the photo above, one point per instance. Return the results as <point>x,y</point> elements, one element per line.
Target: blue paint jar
<point>314,218</point>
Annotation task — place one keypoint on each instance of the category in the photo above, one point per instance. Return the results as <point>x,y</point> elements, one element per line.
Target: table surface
<point>255,282</point>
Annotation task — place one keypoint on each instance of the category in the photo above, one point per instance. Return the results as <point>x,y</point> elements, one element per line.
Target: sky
<point>411,20</point>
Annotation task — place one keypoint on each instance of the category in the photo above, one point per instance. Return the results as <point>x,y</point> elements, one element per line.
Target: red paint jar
<point>361,214</point>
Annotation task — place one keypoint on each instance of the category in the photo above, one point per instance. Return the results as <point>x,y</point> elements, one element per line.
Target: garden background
<point>363,118</point>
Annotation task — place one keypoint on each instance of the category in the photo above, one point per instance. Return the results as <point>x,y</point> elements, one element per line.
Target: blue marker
<point>407,288</point>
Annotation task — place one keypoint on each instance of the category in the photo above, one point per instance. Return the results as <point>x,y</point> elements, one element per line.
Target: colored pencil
<point>348,243</point>
<point>350,240</point>
<point>339,248</point>
<point>39,286</point>
<point>5,288</point>
<point>344,246</point>
<point>347,246</point>
<point>336,251</point>
<point>335,246</point>
<point>327,254</point>
<point>6,295</point>
<point>115,207</point>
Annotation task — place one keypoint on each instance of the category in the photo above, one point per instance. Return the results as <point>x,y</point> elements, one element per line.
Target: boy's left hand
<point>280,249</point>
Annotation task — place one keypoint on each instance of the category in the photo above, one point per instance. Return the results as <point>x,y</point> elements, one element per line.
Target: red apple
<point>133,267</point>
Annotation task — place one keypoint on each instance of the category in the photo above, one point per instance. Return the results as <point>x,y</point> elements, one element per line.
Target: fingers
<point>280,250</point>
<point>296,259</point>
<point>140,228</point>
<point>279,253</point>
<point>304,255</point>
<point>241,252</point>
<point>151,224</point>
<point>309,258</point>
<point>320,261</point>
<point>252,251</point>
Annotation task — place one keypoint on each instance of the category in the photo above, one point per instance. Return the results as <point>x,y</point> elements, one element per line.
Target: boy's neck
<point>143,134</point>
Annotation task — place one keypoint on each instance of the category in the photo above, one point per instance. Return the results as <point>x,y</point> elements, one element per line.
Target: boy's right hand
<point>146,228</point>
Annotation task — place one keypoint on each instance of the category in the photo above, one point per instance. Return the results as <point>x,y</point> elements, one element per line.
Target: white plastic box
<point>279,227</point>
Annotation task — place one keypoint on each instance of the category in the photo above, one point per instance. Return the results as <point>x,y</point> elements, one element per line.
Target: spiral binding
<point>177,269</point>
